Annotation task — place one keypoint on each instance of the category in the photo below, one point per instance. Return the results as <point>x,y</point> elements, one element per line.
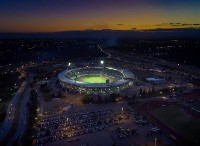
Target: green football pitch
<point>178,119</point>
<point>94,79</point>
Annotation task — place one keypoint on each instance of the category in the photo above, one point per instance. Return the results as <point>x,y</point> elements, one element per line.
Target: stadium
<point>96,80</point>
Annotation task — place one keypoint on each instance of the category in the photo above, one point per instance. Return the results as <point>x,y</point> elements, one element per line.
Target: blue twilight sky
<point>61,15</point>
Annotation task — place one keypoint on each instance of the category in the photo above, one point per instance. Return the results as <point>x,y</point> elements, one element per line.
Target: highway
<point>145,59</point>
<point>40,98</point>
<point>109,55</point>
<point>22,119</point>
<point>11,112</point>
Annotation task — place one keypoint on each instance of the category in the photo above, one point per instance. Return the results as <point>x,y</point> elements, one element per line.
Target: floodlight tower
<point>102,63</point>
<point>69,64</point>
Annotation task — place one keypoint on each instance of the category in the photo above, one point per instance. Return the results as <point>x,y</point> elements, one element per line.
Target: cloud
<point>178,24</point>
<point>133,28</point>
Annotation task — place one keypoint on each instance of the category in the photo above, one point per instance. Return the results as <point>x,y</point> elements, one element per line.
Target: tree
<point>87,99</point>
<point>153,89</point>
<point>150,91</point>
<point>59,95</point>
<point>144,92</point>
<point>125,97</point>
<point>140,91</point>
<point>99,99</point>
<point>113,97</point>
<point>133,96</point>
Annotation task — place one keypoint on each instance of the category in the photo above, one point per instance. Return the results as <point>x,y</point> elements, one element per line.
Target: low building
<point>156,81</point>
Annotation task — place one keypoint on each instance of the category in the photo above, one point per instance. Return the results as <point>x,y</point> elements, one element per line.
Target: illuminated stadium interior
<point>96,79</point>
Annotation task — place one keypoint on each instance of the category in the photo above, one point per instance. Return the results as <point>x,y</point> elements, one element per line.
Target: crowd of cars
<point>122,132</point>
<point>71,127</point>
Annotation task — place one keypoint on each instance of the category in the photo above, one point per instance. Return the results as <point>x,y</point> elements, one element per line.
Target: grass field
<point>94,79</point>
<point>180,121</point>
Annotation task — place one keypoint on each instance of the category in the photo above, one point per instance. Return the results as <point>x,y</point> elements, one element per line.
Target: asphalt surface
<point>22,119</point>
<point>11,112</point>
<point>40,97</point>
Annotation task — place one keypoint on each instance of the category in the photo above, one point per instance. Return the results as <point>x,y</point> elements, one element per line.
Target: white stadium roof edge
<point>127,76</point>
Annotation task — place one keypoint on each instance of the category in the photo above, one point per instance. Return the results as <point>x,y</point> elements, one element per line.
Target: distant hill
<point>99,34</point>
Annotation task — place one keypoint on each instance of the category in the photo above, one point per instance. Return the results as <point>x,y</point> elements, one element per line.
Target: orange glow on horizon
<point>66,15</point>
<point>63,27</point>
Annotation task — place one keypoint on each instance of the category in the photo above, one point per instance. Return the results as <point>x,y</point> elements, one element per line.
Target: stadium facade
<point>123,78</point>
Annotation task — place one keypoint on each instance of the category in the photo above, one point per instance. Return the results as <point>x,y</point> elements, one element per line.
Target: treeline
<point>9,84</point>
<point>90,99</point>
<point>30,132</point>
<point>147,92</point>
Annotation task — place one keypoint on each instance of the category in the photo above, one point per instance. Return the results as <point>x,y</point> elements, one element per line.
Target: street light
<point>67,120</point>
<point>155,141</point>
<point>122,112</point>
<point>102,63</point>
<point>69,64</point>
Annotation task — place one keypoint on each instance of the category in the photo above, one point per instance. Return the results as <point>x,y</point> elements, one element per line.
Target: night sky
<point>63,15</point>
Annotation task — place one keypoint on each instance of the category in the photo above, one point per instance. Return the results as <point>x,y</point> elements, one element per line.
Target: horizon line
<point>83,30</point>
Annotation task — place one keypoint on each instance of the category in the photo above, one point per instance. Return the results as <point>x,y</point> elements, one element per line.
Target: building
<point>122,79</point>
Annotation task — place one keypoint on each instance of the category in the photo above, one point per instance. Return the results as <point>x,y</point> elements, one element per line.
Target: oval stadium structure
<point>96,80</point>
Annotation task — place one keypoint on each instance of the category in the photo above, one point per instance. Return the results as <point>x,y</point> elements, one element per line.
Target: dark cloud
<point>133,28</point>
<point>184,24</point>
<point>178,24</point>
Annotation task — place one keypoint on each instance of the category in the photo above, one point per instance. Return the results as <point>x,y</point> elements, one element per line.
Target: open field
<point>180,121</point>
<point>94,79</point>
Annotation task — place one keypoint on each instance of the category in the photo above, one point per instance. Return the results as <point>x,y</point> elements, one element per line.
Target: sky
<point>64,15</point>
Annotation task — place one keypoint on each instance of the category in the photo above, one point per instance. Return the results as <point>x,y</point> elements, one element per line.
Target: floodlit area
<point>95,79</point>
<point>92,124</point>
<point>179,121</point>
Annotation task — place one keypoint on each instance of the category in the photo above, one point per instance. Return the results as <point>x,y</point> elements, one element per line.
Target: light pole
<point>69,64</point>
<point>122,112</point>
<point>102,63</point>
<point>155,141</point>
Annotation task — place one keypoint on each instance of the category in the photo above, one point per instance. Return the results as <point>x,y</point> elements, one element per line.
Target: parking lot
<point>112,123</point>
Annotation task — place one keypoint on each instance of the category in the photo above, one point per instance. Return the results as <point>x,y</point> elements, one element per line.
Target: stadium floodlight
<point>102,62</point>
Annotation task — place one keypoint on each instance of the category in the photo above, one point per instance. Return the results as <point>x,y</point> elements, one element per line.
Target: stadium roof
<point>127,76</point>
<point>156,80</point>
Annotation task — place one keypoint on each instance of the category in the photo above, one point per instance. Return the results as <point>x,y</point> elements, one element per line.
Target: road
<point>22,119</point>
<point>40,98</point>
<point>109,55</point>
<point>145,59</point>
<point>11,112</point>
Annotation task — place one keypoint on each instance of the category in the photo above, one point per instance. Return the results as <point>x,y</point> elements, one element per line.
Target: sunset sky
<point>63,15</point>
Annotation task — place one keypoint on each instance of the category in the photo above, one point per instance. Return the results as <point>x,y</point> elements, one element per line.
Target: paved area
<point>22,119</point>
<point>11,112</point>
<point>96,125</point>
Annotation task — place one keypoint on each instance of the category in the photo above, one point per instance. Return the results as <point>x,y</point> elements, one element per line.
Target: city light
<point>163,97</point>
<point>102,62</point>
